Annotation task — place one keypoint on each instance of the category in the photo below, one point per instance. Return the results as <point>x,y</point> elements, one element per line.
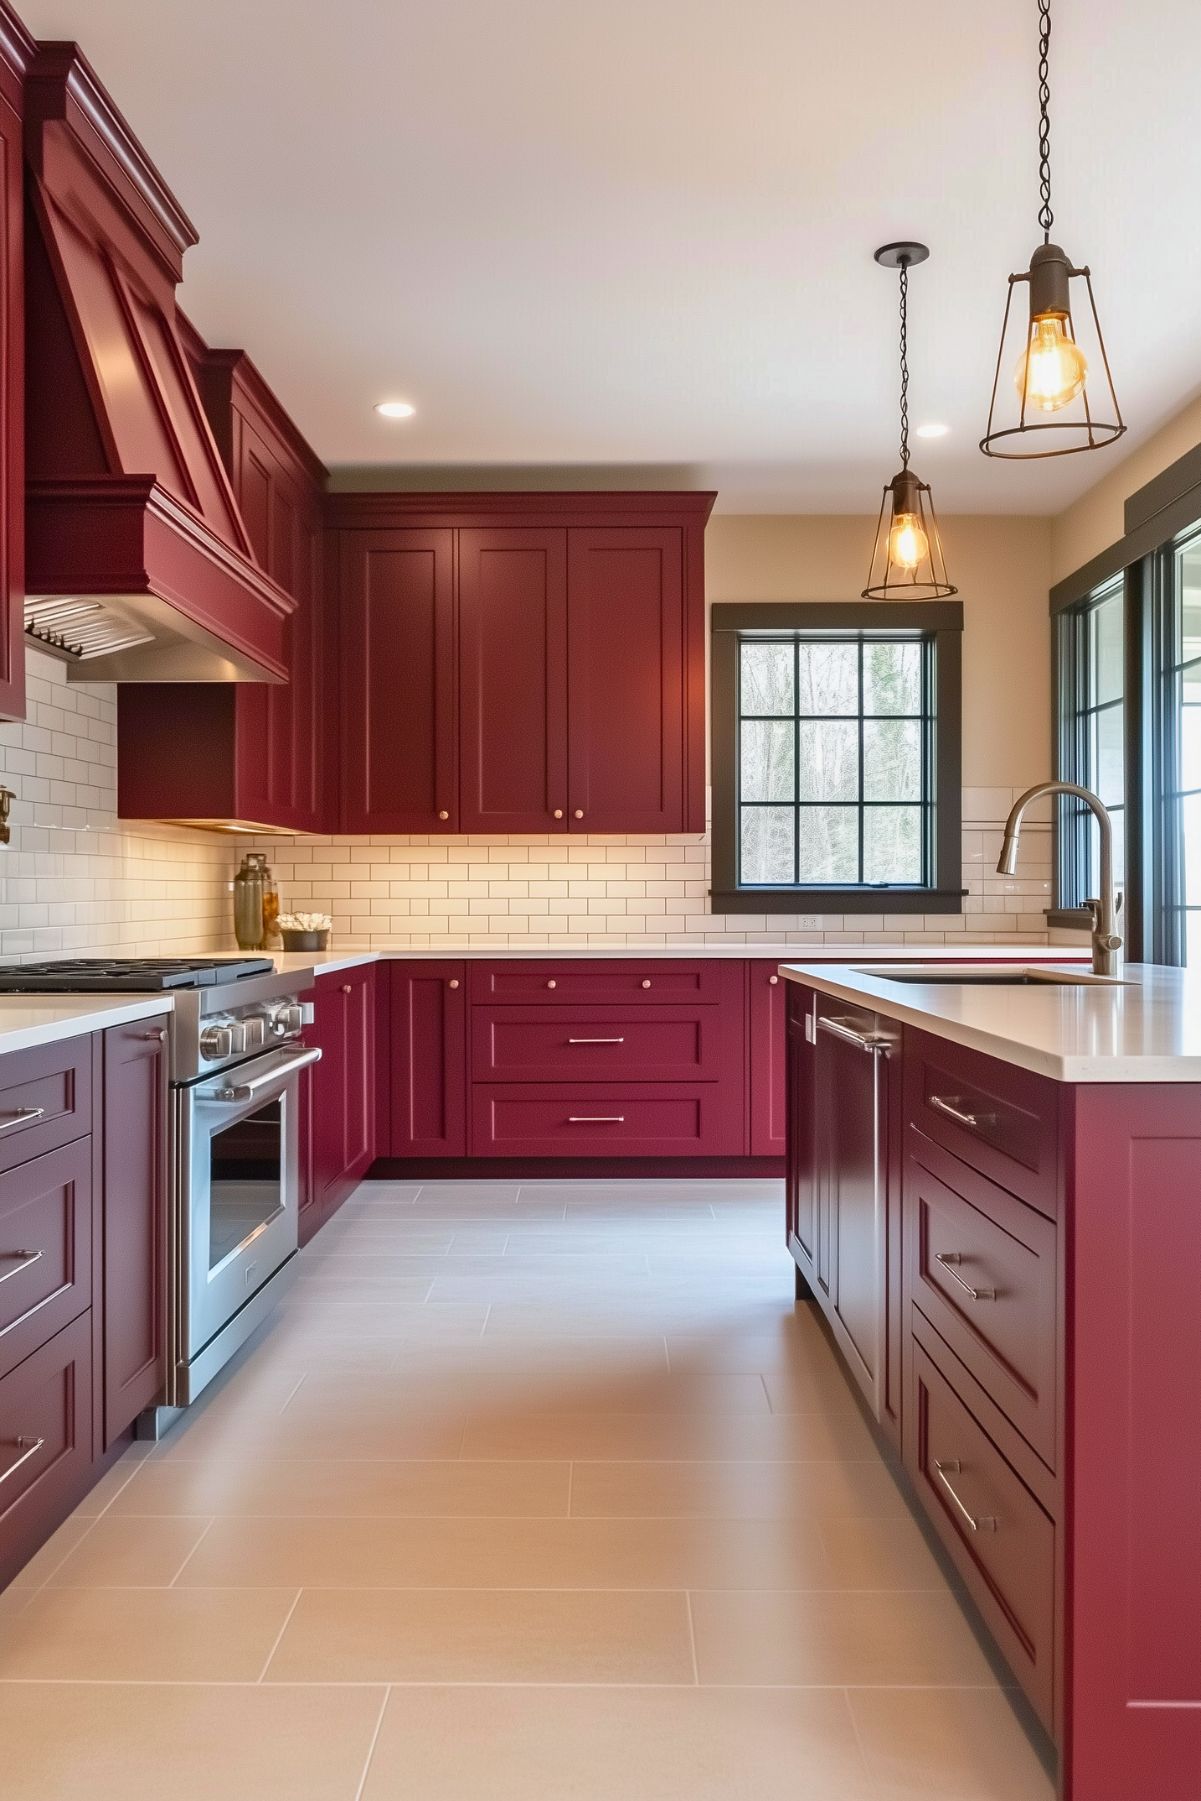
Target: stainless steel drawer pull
<point>596,1041</point>
<point>949,1106</point>
<point>24,1260</point>
<point>20,1117</point>
<point>949,1260</point>
<point>982,1523</point>
<point>596,1119</point>
<point>29,1447</point>
<point>866,1041</point>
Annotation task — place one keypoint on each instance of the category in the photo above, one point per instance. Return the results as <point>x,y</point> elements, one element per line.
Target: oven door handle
<point>245,1091</point>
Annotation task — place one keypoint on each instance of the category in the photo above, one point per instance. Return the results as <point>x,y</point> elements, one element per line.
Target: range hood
<point>138,565</point>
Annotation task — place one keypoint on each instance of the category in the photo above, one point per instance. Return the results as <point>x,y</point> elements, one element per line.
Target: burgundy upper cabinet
<point>522,662</point>
<point>246,752</point>
<point>397,725</point>
<point>16,49</point>
<point>513,680</point>
<point>627,681</point>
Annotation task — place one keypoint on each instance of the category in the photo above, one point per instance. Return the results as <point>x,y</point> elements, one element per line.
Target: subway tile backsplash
<point>76,880</point>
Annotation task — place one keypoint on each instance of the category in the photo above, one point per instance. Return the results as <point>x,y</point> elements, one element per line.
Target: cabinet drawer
<point>1000,1119</point>
<point>564,1044</point>
<point>660,1119</point>
<point>45,1441</point>
<point>983,1268</point>
<point>45,1248</point>
<point>45,1099</point>
<point>608,979</point>
<point>1001,1540</point>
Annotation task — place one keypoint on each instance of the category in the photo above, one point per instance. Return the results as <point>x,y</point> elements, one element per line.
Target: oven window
<point>245,1179</point>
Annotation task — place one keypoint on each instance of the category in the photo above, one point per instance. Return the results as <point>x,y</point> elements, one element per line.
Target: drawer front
<point>45,1248</point>
<point>1000,1119</point>
<point>661,1119</point>
<point>607,980</point>
<point>45,1441</point>
<point>565,1044</point>
<point>45,1099</point>
<point>983,1268</point>
<point>1001,1540</point>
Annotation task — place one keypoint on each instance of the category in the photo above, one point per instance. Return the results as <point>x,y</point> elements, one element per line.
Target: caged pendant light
<point>1051,376</point>
<point>907,557</point>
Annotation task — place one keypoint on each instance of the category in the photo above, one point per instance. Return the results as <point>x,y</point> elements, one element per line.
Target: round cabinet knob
<point>346,988</point>
<point>558,812</point>
<point>454,982</point>
<point>552,983</point>
<point>442,813</point>
<point>579,813</point>
<point>154,1037</point>
<point>646,981</point>
<point>774,980</point>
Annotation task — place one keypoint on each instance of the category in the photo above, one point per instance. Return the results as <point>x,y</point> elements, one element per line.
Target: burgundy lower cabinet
<point>427,1077</point>
<point>46,1442</point>
<point>45,1248</point>
<point>134,1213</point>
<point>338,1100</point>
<point>1050,1343</point>
<point>767,1039</point>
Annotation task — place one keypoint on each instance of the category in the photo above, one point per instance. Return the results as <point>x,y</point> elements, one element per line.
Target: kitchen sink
<point>977,976</point>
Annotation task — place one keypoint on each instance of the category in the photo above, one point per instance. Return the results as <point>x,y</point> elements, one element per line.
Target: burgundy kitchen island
<point>994,1196</point>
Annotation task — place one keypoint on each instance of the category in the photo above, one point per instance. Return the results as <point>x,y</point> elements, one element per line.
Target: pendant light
<point>1056,413</point>
<point>907,559</point>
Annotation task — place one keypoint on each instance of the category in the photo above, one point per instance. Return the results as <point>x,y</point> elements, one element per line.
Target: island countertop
<point>1144,1028</point>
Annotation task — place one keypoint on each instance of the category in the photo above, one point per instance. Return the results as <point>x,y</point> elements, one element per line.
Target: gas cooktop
<point>105,975</point>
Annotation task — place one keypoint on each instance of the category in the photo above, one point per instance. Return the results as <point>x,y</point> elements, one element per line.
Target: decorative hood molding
<point>128,502</point>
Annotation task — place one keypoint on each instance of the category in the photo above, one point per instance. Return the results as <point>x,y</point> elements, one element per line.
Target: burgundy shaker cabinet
<point>338,1099</point>
<point>521,662</point>
<point>767,1043</point>
<point>133,1240</point>
<point>428,1076</point>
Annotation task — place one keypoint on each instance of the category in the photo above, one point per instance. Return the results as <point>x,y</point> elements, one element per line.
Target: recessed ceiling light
<point>932,430</point>
<point>395,409</point>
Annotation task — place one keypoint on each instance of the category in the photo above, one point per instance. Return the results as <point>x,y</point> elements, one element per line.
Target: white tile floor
<point>538,1492</point>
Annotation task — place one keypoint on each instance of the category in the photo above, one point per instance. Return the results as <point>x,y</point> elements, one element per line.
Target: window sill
<point>837,900</point>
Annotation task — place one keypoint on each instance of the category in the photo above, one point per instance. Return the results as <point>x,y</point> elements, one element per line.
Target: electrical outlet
<point>805,922</point>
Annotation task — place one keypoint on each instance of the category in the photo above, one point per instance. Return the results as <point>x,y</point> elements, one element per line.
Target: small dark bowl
<point>305,941</point>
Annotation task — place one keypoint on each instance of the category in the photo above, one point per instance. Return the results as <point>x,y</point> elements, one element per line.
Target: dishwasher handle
<point>875,1042</point>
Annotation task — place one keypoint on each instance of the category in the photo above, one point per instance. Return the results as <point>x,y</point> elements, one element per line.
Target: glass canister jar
<point>248,903</point>
<point>271,938</point>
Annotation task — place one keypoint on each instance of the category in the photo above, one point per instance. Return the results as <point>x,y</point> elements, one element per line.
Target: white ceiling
<point>636,235</point>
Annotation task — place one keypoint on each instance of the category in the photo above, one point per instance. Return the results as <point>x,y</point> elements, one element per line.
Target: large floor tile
<point>696,1436</point>
<point>817,1491</point>
<point>244,1488</point>
<point>504,1553</point>
<point>120,1552</point>
<point>532,1744</point>
<point>845,1637</point>
<point>144,1635</point>
<point>947,1745</point>
<point>553,1636</point>
<point>112,1741</point>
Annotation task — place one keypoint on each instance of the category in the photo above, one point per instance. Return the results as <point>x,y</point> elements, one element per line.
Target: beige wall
<point>1002,569</point>
<point>1096,520</point>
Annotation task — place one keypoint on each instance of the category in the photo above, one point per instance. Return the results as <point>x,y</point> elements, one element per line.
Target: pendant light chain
<point>1046,217</point>
<point>904,363</point>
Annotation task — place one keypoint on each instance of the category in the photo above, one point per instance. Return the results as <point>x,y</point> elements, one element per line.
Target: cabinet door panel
<point>135,1221</point>
<point>626,680</point>
<point>398,701</point>
<point>45,1248</point>
<point>766,1015</point>
<point>327,1088</point>
<point>12,433</point>
<point>801,1169</point>
<point>513,683</point>
<point>429,1059</point>
<point>47,1398</point>
<point>358,992</point>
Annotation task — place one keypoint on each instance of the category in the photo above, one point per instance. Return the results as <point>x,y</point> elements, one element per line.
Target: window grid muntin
<point>924,718</point>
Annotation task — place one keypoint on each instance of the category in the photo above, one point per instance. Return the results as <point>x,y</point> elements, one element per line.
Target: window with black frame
<point>836,758</point>
<point>1180,749</point>
<point>1092,725</point>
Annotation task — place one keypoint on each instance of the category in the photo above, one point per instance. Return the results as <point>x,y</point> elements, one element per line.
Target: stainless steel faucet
<point>1107,942</point>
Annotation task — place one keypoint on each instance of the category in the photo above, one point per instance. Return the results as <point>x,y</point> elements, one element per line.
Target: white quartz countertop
<point>1146,1028</point>
<point>326,962</point>
<point>27,1020</point>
